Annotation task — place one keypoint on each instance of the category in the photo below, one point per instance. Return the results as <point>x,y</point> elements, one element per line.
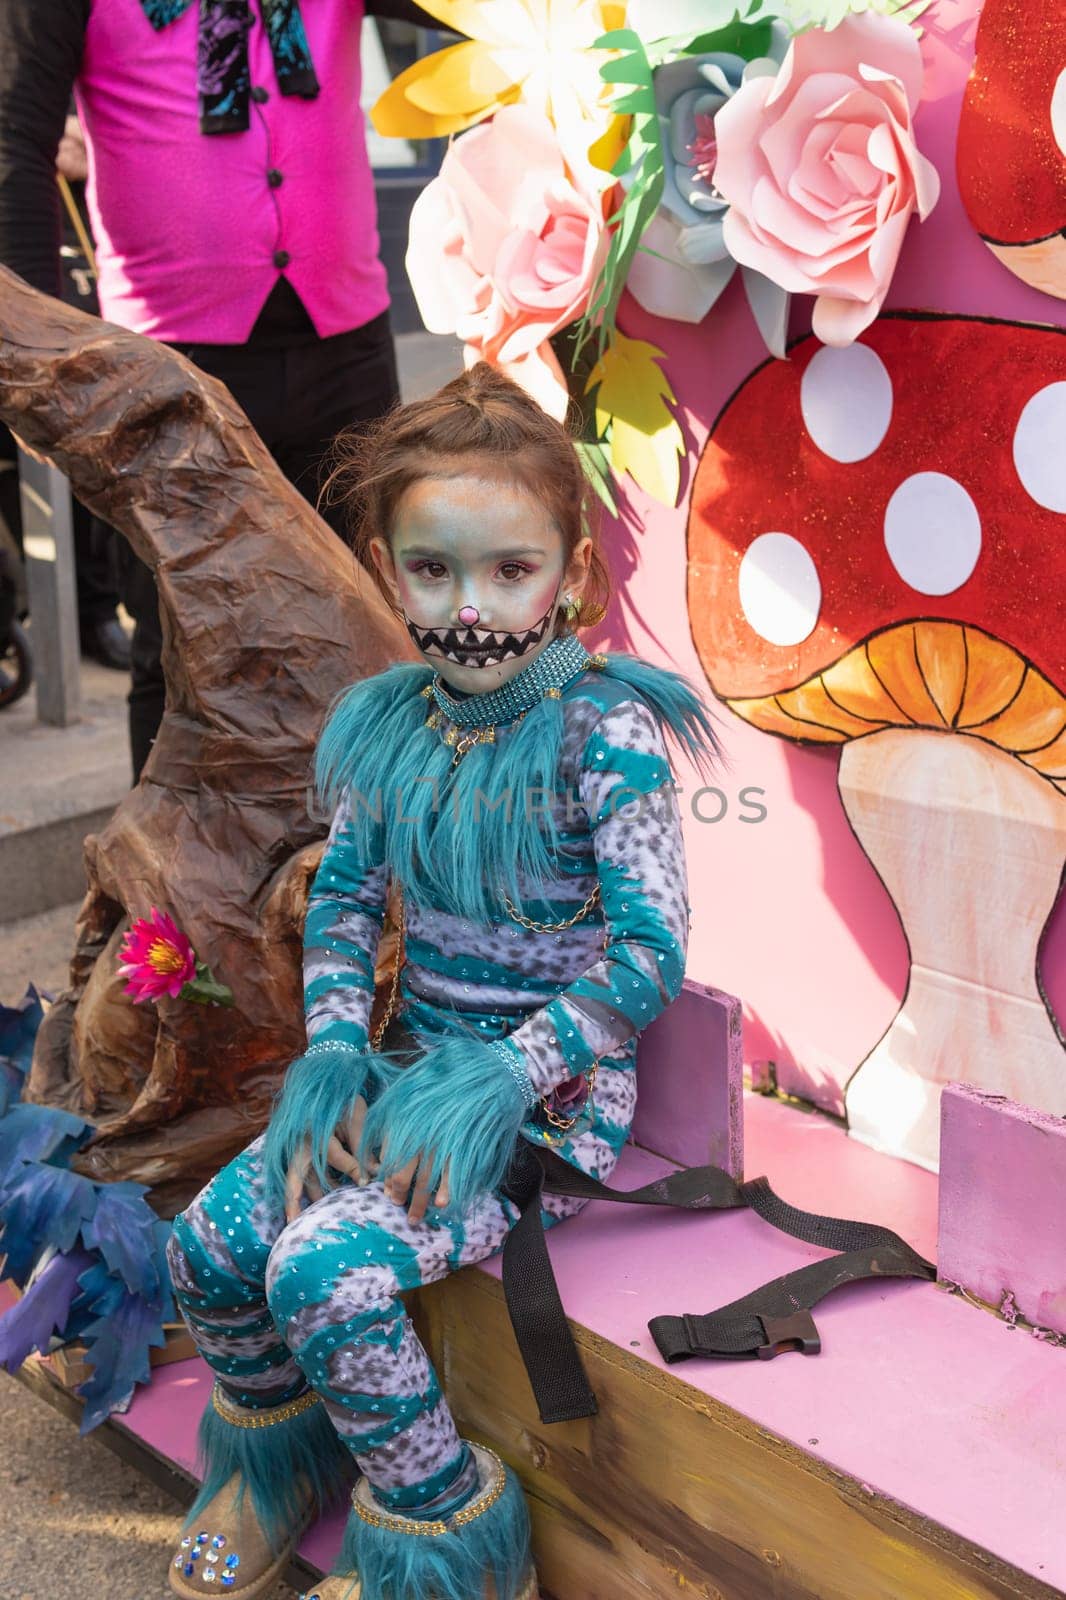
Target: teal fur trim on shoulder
<point>318,1094</point>
<point>394,1565</point>
<point>272,1463</point>
<point>675,703</point>
<point>453,835</point>
<point>358,715</point>
<point>458,1103</point>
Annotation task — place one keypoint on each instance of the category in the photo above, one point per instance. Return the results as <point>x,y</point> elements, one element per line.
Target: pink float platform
<point>917,1395</point>
<point>1002,1230</point>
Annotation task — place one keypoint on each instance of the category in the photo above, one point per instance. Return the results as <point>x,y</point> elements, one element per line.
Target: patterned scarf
<point>222,55</point>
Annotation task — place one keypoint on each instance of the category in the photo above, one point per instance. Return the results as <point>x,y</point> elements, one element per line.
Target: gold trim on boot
<point>493,1478</point>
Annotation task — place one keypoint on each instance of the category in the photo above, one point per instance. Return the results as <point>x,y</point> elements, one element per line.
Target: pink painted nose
<point>469,615</point>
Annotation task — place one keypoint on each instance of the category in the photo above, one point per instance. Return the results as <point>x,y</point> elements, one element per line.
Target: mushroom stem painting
<point>970,844</point>
<point>914,612</point>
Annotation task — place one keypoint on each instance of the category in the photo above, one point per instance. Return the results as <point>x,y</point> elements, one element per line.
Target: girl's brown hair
<point>480,421</point>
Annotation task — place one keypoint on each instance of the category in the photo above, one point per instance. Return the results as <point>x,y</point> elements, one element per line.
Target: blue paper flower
<point>683,265</point>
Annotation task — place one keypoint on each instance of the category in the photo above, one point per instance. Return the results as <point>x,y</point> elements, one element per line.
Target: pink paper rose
<point>504,249</point>
<point>821,172</point>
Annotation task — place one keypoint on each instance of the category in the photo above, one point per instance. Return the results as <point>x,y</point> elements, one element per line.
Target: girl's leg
<point>333,1284</point>
<point>263,1424</point>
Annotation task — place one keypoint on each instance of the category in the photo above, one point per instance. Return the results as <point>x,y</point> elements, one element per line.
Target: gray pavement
<point>76,1523</point>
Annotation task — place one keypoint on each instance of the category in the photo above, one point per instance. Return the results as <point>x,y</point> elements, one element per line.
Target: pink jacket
<point>192,230</point>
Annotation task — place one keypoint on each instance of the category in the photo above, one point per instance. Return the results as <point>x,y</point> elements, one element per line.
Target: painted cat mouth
<point>478,646</point>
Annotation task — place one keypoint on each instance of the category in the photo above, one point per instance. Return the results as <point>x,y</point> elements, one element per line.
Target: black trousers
<point>298,394</point>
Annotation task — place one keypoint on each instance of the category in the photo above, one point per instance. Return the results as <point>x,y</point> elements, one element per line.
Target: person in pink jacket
<point>233,207</point>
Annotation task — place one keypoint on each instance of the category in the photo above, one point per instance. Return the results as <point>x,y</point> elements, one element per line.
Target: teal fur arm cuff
<point>458,1105</point>
<point>318,1095</point>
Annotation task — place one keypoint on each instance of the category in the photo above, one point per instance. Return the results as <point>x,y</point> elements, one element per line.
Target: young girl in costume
<point>516,792</point>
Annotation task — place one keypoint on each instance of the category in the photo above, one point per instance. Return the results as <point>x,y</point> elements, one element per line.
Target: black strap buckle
<point>797,1332</point>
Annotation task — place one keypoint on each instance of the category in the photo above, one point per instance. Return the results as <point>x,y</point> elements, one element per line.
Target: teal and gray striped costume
<point>275,1308</point>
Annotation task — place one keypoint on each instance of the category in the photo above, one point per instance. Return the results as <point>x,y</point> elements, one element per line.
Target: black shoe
<point>107,643</point>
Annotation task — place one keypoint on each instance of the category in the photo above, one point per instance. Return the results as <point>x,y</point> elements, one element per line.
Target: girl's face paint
<point>481,542</point>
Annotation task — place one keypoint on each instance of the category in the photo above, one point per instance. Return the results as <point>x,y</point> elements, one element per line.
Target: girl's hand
<point>414,1179</point>
<point>340,1153</point>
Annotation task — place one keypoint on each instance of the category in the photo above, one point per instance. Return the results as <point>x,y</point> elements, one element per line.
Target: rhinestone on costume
<point>211,1556</point>
<point>233,1561</point>
<point>209,1574</point>
<point>219,1541</point>
<point>179,1561</point>
<point>202,1537</point>
<point>186,1542</point>
<point>189,1569</point>
<point>228,1579</point>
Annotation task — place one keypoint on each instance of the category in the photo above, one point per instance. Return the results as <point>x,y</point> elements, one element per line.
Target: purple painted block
<point>690,1100</point>
<point>1003,1204</point>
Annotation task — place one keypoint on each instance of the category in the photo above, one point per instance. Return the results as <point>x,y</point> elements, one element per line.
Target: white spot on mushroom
<point>932,533</point>
<point>780,593</point>
<point>1040,445</point>
<point>846,400</point>
<point>1058,111</point>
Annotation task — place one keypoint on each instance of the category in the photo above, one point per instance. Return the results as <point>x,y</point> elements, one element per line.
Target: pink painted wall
<point>787,912</point>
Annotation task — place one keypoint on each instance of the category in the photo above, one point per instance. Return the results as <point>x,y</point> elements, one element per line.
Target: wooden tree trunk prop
<point>266,616</point>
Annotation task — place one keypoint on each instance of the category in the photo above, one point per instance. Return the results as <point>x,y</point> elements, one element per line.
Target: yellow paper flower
<point>536,51</point>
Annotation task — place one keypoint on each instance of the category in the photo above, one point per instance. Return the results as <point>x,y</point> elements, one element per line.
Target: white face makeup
<point>476,564</point>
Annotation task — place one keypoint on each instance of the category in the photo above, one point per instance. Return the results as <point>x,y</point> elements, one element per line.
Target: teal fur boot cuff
<point>283,1455</point>
<point>480,1553</point>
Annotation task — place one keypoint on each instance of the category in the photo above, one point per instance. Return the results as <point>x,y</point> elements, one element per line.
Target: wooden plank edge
<point>531,1445</point>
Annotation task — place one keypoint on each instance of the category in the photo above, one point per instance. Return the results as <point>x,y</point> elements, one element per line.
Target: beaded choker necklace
<point>474,720</point>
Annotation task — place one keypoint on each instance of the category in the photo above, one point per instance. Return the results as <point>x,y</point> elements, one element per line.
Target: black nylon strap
<point>773,1317</point>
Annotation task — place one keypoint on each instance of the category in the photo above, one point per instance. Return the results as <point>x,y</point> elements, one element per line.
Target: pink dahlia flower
<point>156,957</point>
<point>505,249</point>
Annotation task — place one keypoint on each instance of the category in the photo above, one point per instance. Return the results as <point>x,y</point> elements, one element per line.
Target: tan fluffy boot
<point>227,1552</point>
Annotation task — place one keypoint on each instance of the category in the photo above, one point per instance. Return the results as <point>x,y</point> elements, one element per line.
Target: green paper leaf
<point>596,462</point>
<point>203,990</point>
<point>803,14</point>
<point>643,159</point>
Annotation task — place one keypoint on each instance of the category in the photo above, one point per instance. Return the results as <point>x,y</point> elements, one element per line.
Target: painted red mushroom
<point>1012,139</point>
<point>877,559</point>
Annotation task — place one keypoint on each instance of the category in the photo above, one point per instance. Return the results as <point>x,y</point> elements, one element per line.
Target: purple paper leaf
<point>38,1133</point>
<point>18,1029</point>
<point>43,1310</point>
<point>117,1351</point>
<point>41,1205</point>
<point>122,1228</point>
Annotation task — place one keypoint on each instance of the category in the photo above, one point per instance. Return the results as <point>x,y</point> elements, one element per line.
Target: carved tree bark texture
<point>266,616</point>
